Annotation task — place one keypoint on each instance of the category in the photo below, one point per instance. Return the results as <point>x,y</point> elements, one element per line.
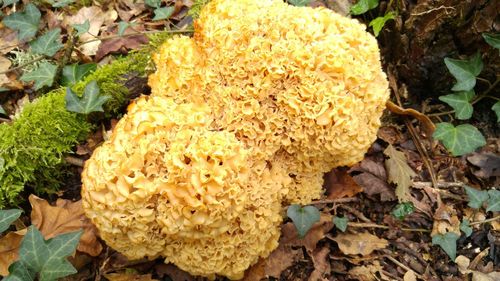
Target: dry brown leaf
<point>410,276</point>
<point>8,40</point>
<point>281,259</point>
<point>373,179</point>
<point>5,64</point>
<point>359,243</point>
<point>445,220</point>
<point>321,263</point>
<point>366,272</point>
<point>479,276</point>
<point>340,184</point>
<point>373,185</point>
<point>284,256</point>
<point>129,277</point>
<point>128,9</point>
<point>488,163</point>
<point>173,272</point>
<point>317,232</point>
<point>120,44</point>
<point>399,172</point>
<point>64,217</point>
<point>9,246</point>
<point>390,134</point>
<point>97,18</point>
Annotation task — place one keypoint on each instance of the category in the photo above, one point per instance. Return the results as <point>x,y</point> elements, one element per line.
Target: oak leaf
<point>66,216</point>
<point>399,172</point>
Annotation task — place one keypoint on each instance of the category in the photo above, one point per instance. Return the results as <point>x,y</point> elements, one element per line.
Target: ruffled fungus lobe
<point>244,117</point>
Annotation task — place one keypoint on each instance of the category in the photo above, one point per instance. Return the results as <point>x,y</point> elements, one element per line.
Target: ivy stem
<point>70,46</point>
<point>22,65</point>
<point>485,93</point>
<point>486,220</point>
<point>476,100</point>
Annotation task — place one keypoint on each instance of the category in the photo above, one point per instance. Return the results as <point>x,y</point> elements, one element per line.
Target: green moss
<point>110,76</point>
<point>32,148</point>
<point>157,39</point>
<point>196,8</point>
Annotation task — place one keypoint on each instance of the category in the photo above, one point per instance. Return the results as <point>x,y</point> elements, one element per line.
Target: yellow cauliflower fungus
<point>244,117</point>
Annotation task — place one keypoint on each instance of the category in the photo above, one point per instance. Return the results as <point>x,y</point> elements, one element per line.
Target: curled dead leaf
<point>359,243</point>
<point>64,217</point>
<point>445,220</point>
<point>9,249</point>
<point>373,179</point>
<point>366,272</point>
<point>340,184</point>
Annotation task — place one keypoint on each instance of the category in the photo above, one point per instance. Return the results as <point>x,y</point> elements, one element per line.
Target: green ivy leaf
<point>465,227</point>
<point>82,28</point>
<point>447,242</point>
<point>20,272</point>
<point>163,13</point>
<point>47,258</point>
<point>47,44</point>
<point>122,26</point>
<point>2,111</point>
<point>340,223</point>
<point>43,75</point>
<point>7,217</point>
<point>75,72</point>
<point>493,39</point>
<point>303,218</point>
<point>459,140</point>
<point>460,102</point>
<point>465,71</point>
<point>363,6</point>
<point>493,202</point>
<point>496,109</point>
<point>300,3</point>
<point>476,197</point>
<point>90,102</point>
<point>378,23</point>
<point>153,3</point>
<point>402,210</point>
<point>8,2</point>
<point>26,23</point>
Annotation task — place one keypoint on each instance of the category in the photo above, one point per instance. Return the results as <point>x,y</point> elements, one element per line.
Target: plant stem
<point>373,225</point>
<point>485,221</point>
<point>22,65</point>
